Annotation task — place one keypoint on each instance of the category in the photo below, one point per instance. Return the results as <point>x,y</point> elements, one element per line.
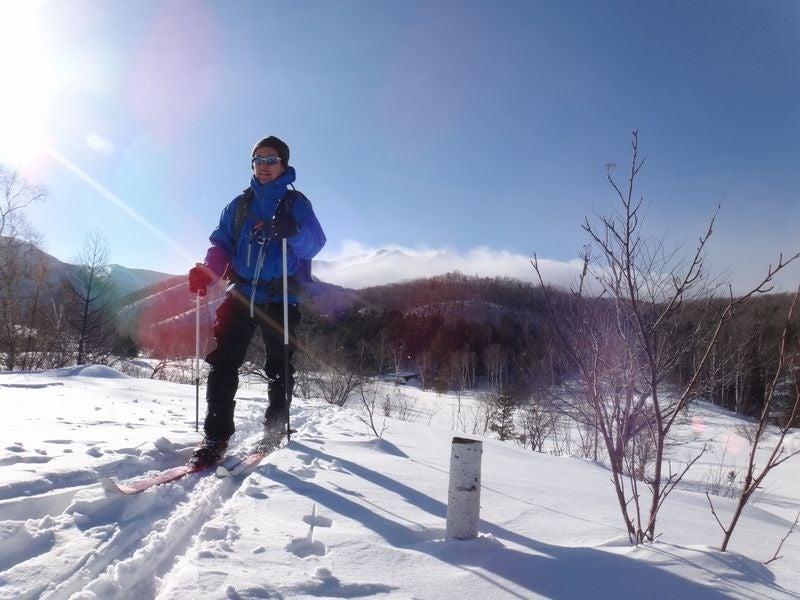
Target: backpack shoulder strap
<point>303,275</point>
<point>286,205</point>
<point>241,212</point>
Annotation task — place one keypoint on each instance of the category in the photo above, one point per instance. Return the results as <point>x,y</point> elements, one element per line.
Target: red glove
<point>200,277</point>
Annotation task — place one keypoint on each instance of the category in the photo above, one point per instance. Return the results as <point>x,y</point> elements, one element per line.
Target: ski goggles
<point>266,160</point>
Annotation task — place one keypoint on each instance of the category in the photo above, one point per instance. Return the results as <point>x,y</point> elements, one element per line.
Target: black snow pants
<point>233,331</point>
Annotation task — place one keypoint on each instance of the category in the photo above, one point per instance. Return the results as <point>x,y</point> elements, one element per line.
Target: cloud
<point>357,266</point>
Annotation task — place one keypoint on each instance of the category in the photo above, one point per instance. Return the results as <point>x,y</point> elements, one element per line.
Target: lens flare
<point>698,426</point>
<point>118,202</point>
<point>176,70</point>
<point>27,77</point>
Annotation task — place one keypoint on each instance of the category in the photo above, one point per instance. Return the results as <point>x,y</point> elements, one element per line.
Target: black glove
<point>284,225</point>
<point>200,277</point>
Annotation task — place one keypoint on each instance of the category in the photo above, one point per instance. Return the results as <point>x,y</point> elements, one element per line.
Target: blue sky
<point>425,125</point>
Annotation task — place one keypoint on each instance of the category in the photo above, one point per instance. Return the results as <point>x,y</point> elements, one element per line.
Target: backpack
<point>285,205</point>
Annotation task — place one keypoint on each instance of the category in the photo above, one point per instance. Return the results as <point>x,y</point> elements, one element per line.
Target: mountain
<point>340,283</point>
<point>364,268</point>
<point>376,267</point>
<point>124,280</point>
<point>157,311</point>
<point>162,316</point>
<point>148,299</point>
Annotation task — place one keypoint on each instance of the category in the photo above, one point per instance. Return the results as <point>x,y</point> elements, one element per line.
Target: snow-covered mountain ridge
<point>124,280</point>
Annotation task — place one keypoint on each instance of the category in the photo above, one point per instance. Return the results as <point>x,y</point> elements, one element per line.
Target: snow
<point>339,513</point>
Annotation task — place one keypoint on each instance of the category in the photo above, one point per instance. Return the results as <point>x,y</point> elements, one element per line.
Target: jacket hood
<point>268,195</point>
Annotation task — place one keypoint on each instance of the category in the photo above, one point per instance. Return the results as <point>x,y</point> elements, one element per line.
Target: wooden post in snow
<point>464,494</point>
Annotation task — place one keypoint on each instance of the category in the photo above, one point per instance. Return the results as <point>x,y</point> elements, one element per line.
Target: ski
<point>227,467</point>
<point>139,485</point>
<point>249,462</point>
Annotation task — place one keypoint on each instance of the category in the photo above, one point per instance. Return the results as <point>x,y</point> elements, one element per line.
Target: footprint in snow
<point>303,473</point>
<point>303,548</point>
<point>308,546</point>
<point>13,460</point>
<point>330,586</point>
<point>316,520</point>
<point>255,492</point>
<point>307,459</point>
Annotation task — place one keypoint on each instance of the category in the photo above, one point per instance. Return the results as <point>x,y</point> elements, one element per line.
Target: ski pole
<point>287,396</point>
<point>197,364</point>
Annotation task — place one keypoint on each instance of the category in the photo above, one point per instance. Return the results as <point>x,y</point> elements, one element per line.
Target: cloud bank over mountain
<point>354,265</point>
<point>357,266</point>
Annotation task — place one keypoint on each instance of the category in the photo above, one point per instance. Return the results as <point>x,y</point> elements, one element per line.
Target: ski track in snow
<point>130,551</point>
<point>222,534</point>
<point>129,544</point>
<point>339,513</point>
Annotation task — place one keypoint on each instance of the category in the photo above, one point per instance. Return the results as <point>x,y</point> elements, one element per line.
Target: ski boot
<point>209,452</point>
<point>273,434</point>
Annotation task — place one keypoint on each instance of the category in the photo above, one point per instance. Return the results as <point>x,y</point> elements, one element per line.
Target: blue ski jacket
<point>253,260</point>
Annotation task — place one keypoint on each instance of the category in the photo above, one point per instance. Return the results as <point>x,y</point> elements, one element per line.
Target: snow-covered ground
<point>339,513</point>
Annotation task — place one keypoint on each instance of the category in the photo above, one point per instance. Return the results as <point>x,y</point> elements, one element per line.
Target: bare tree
<point>336,379</point>
<point>539,419</point>
<point>23,276</point>
<point>369,399</point>
<point>777,555</point>
<point>17,195</point>
<point>43,335</point>
<point>623,331</point>
<point>337,384</point>
<point>495,361</point>
<point>788,369</point>
<point>93,316</point>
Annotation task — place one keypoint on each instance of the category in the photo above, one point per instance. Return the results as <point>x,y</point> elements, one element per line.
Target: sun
<point>26,82</point>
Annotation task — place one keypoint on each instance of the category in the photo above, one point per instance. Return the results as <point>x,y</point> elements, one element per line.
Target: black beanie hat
<point>276,144</point>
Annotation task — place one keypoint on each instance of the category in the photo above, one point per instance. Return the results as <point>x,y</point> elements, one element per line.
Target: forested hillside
<point>452,333</point>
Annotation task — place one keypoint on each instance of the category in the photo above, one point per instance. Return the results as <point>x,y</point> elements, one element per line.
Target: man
<point>246,249</point>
